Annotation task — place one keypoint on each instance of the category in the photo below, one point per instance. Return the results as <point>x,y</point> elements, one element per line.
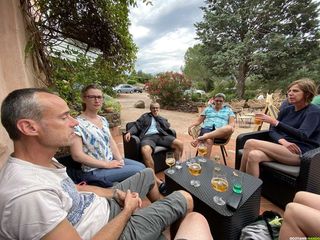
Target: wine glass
<point>202,151</point>
<point>170,161</point>
<point>219,183</point>
<point>195,170</point>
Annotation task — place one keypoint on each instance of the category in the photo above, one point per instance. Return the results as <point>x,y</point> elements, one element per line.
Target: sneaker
<point>163,189</point>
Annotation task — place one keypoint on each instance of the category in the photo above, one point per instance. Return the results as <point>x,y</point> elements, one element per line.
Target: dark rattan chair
<point>132,150</point>
<point>280,181</point>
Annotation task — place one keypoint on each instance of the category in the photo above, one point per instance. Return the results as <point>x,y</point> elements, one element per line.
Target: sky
<point>163,32</point>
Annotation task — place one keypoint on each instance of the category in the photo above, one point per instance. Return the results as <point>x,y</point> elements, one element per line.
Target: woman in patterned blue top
<point>94,147</point>
<point>294,132</point>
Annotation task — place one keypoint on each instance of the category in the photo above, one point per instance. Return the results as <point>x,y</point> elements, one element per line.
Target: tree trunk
<point>241,79</point>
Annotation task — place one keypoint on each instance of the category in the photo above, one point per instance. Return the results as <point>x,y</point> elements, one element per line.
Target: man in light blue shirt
<point>217,122</point>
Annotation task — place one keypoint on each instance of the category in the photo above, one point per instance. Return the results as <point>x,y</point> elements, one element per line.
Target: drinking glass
<point>202,151</point>
<point>217,167</point>
<point>170,161</point>
<point>195,170</point>
<point>188,154</point>
<point>237,177</point>
<point>178,164</point>
<point>219,183</point>
<point>257,119</point>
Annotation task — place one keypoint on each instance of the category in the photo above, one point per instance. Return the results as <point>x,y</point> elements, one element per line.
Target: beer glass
<point>195,170</point>
<point>219,183</point>
<point>202,151</point>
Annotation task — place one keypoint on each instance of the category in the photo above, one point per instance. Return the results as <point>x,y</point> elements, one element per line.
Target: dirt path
<point>178,120</point>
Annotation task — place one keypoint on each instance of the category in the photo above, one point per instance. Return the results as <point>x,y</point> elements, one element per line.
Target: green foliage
<point>132,82</point>
<point>69,76</point>
<point>91,25</point>
<point>269,41</point>
<point>140,76</point>
<point>110,102</point>
<point>167,88</point>
<point>196,69</point>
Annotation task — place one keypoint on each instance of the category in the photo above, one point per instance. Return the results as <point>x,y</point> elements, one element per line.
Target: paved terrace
<point>180,122</point>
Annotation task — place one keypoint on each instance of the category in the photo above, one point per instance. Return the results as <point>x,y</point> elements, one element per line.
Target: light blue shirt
<point>153,127</point>
<point>217,118</point>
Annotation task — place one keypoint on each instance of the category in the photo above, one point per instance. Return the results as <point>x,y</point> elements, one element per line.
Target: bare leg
<point>154,194</point>
<point>223,132</point>
<point>194,226</point>
<point>257,151</point>
<point>209,143</point>
<point>300,221</point>
<point>308,199</point>
<point>253,161</point>
<point>146,152</point>
<point>177,145</point>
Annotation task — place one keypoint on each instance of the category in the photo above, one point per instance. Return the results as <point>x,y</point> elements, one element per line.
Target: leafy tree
<point>266,40</point>
<point>140,76</point>
<point>195,68</point>
<point>167,88</point>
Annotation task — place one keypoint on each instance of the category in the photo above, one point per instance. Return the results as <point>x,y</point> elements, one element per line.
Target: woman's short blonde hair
<point>307,86</point>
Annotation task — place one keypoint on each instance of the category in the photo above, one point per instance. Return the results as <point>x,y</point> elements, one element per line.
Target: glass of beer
<point>257,119</point>
<point>170,161</point>
<point>219,183</point>
<point>195,170</point>
<point>202,151</point>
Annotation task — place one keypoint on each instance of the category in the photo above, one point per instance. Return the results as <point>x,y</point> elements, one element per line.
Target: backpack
<point>266,227</point>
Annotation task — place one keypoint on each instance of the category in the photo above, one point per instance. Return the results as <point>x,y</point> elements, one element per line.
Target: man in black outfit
<point>153,131</point>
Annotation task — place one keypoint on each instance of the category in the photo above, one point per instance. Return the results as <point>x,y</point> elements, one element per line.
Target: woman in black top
<point>294,132</point>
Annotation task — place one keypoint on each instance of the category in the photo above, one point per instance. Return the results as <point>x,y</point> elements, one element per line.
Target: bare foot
<point>194,143</point>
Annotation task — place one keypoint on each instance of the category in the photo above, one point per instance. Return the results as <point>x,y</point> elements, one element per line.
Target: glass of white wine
<point>202,151</point>
<point>170,161</point>
<point>219,183</point>
<point>195,170</point>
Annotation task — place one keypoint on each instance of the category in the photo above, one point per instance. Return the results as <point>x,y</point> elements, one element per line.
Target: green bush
<point>110,102</point>
<point>132,82</point>
<point>167,88</point>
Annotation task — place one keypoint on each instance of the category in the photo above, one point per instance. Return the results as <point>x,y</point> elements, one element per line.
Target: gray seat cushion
<point>287,169</point>
<point>160,149</point>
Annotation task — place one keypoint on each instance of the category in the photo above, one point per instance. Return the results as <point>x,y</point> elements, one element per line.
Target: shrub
<point>110,102</point>
<point>167,88</point>
<point>132,82</point>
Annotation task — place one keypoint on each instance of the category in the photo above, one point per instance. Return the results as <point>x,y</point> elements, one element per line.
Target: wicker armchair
<point>280,181</point>
<point>132,150</point>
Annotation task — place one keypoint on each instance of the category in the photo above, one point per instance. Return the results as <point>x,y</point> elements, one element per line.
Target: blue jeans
<point>130,168</point>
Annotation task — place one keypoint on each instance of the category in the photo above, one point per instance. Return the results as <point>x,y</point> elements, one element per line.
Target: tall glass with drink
<point>237,181</point>
<point>257,119</point>
<point>170,161</point>
<point>202,151</point>
<point>219,183</point>
<point>195,170</point>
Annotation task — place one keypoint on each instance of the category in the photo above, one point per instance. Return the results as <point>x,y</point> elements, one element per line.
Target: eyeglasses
<point>218,100</point>
<point>91,97</point>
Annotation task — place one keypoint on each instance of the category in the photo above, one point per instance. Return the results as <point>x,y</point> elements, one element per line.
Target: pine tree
<point>261,39</point>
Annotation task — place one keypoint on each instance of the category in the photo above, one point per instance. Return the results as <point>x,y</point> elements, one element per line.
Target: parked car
<point>127,88</point>
<point>194,91</point>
